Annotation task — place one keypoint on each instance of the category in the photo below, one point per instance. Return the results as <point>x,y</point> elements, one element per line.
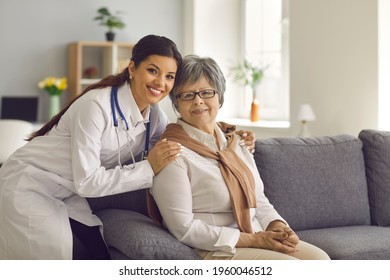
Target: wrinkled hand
<point>277,237</point>
<point>163,153</point>
<point>270,240</point>
<point>276,240</point>
<point>248,139</point>
<point>292,239</point>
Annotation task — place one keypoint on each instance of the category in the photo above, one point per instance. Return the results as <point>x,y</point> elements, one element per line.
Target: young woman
<point>211,197</point>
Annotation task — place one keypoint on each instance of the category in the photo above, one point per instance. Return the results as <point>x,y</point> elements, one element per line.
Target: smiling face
<point>200,113</point>
<point>152,80</point>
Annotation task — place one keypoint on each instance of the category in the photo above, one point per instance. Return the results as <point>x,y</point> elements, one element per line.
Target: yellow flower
<point>53,85</point>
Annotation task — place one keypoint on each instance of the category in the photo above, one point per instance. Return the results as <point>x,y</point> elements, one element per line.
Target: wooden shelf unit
<point>105,57</point>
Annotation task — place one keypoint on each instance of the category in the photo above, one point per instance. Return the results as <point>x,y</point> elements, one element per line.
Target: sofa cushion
<point>376,150</point>
<point>315,182</point>
<point>137,237</point>
<point>117,255</point>
<point>351,243</point>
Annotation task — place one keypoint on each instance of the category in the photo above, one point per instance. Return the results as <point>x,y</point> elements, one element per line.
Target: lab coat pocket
<point>39,193</point>
<point>32,203</point>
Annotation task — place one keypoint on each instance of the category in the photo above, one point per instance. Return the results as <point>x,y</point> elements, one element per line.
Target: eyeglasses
<point>204,94</point>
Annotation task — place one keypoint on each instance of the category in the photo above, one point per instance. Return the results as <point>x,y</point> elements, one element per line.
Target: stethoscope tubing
<point>115,104</point>
<point>115,107</point>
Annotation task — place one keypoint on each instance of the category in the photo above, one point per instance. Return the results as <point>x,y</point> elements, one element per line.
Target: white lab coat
<point>46,181</point>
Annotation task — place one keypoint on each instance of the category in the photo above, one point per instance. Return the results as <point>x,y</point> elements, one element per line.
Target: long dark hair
<point>148,45</point>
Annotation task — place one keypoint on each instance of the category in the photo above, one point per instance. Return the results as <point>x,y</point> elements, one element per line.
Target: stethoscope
<point>115,107</point>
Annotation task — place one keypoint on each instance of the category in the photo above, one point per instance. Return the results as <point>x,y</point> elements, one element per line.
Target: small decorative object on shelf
<point>111,21</point>
<point>91,72</point>
<point>250,75</point>
<point>54,86</point>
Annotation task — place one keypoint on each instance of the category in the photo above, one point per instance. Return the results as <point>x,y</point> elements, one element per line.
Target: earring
<point>176,110</point>
<point>177,114</point>
<point>130,76</point>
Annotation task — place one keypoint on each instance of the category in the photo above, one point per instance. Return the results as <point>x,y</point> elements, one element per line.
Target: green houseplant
<point>111,21</point>
<point>247,74</point>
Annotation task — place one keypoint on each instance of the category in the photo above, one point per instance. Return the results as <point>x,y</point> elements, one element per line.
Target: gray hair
<point>193,68</point>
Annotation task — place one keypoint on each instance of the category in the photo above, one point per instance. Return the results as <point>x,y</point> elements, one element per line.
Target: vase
<point>54,106</point>
<point>255,107</point>
<point>110,36</point>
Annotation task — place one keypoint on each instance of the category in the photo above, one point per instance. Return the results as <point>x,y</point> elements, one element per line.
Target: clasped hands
<point>277,237</point>
<point>282,240</point>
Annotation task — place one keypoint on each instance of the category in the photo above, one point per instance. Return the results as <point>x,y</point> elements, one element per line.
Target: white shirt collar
<point>125,96</point>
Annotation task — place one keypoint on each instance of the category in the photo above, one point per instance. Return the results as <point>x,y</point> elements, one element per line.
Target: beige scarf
<point>238,178</point>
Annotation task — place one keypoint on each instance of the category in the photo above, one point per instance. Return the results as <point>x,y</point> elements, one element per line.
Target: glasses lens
<point>208,93</point>
<point>187,95</point>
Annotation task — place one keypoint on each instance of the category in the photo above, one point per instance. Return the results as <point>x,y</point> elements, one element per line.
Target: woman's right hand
<point>163,152</point>
<point>270,240</point>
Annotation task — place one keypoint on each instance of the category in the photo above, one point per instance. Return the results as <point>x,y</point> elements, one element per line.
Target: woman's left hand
<point>292,239</point>
<point>248,139</point>
<point>162,154</point>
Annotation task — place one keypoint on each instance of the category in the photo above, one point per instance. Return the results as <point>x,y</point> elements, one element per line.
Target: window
<point>265,40</point>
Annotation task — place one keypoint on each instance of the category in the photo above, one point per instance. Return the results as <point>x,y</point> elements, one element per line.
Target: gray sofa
<point>334,192</point>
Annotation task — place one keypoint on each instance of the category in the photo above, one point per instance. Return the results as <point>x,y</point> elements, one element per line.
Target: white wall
<point>34,36</point>
<point>334,63</point>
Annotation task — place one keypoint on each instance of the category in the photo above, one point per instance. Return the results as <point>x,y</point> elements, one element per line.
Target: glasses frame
<point>197,93</point>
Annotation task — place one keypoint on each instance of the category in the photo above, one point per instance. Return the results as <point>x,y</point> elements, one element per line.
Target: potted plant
<point>111,21</point>
<point>247,74</point>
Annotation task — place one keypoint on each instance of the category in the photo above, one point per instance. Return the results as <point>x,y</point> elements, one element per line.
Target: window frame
<point>273,107</point>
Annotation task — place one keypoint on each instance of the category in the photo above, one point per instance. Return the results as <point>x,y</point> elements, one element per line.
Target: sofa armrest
<point>138,238</point>
<point>376,149</point>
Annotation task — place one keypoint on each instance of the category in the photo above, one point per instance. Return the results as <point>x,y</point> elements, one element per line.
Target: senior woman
<point>212,197</point>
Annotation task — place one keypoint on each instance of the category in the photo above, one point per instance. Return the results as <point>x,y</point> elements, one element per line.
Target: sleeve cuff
<point>227,240</point>
<point>144,168</point>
